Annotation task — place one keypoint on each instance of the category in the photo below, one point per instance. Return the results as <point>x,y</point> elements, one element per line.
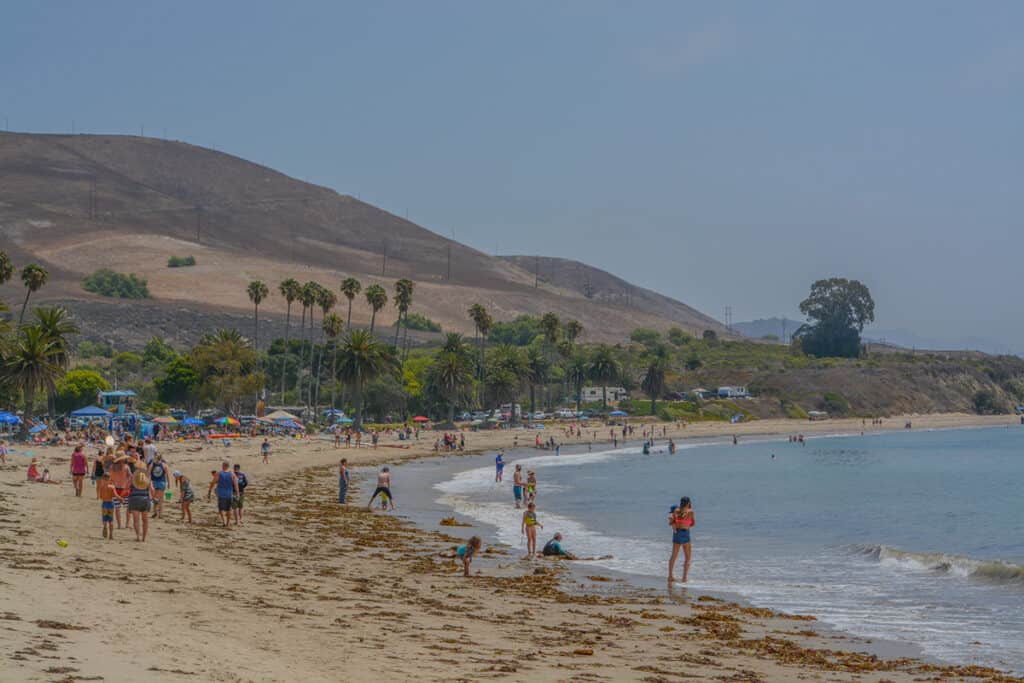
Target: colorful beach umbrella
<point>165,420</point>
<point>227,421</point>
<point>421,418</point>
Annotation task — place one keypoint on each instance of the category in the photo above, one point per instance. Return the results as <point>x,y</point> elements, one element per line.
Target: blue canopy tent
<point>9,419</point>
<point>289,424</point>
<point>37,429</point>
<point>193,422</point>
<point>346,420</point>
<point>90,411</point>
<point>333,411</point>
<point>618,413</point>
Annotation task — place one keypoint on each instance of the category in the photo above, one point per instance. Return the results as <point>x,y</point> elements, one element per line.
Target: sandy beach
<point>310,590</point>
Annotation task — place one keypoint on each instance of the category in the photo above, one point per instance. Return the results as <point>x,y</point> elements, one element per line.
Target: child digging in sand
<point>466,553</point>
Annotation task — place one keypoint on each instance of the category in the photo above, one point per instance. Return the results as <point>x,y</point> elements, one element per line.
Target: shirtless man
<point>517,486</point>
<point>383,486</point>
<point>107,492</point>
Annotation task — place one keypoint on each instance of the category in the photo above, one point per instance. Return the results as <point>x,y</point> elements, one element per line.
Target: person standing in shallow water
<point>681,520</point>
<point>343,481</point>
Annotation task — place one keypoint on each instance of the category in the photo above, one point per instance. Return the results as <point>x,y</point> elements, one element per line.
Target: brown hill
<point>77,203</point>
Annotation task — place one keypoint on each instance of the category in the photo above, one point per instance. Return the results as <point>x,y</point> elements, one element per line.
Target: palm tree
<point>333,327</point>
<point>378,299</point>
<point>450,377</point>
<point>56,325</point>
<point>327,300</point>
<point>230,336</point>
<point>456,343</point>
<point>653,382</point>
<point>30,366</point>
<point>604,368</point>
<point>505,375</point>
<point>550,324</point>
<point>290,289</point>
<point>6,267</point>
<point>577,372</point>
<point>573,330</point>
<point>257,291</point>
<point>363,359</point>
<point>403,300</point>
<point>33,276</point>
<point>350,287</point>
<point>538,371</point>
<point>308,298</point>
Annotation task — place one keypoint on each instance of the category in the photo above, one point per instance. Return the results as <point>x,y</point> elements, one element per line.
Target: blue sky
<point>722,153</point>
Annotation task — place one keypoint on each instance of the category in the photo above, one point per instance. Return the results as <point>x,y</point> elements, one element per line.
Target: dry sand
<point>308,590</point>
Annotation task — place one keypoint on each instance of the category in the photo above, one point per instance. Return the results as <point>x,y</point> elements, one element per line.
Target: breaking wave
<point>991,571</point>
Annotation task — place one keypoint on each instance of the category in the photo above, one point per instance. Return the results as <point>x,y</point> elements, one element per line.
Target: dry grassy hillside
<point>80,202</point>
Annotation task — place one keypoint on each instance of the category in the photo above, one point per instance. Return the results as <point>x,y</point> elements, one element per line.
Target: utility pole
<point>728,318</point>
<point>142,131</point>
<point>448,276</point>
<point>199,223</point>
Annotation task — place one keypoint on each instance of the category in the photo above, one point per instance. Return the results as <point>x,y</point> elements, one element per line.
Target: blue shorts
<point>681,536</point>
<point>517,491</point>
<point>107,508</point>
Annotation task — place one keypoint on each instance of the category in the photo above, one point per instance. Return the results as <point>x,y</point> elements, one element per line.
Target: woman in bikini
<point>681,520</point>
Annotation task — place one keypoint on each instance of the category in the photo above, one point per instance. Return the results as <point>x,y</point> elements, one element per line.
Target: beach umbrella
<point>9,419</point>
<point>493,419</point>
<point>421,418</point>
<point>37,429</point>
<point>477,422</point>
<point>193,421</point>
<point>165,420</point>
<point>90,411</point>
<point>618,413</point>
<point>346,420</point>
<point>227,421</point>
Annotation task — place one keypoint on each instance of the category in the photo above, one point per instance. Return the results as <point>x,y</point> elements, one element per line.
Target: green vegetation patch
<point>181,261</point>
<point>106,282</point>
<point>415,321</point>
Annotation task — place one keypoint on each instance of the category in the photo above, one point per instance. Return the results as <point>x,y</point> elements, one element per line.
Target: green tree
<point>308,299</point>
<point>179,382</point>
<point>6,268</point>
<point>363,359</point>
<point>450,377</point>
<point>56,325</point>
<point>550,325</point>
<point>78,388</point>
<point>506,372</point>
<point>290,289</point>
<point>403,300</point>
<point>538,372</point>
<point>228,373</point>
<point>333,327</point>
<point>605,368</point>
<point>573,330</point>
<point>326,300</point>
<point>33,276</point>
<point>709,335</point>
<point>157,352</point>
<point>837,310</point>
<point>30,367</point>
<point>577,372</point>
<point>678,337</point>
<point>644,336</point>
<point>653,383</point>
<point>257,291</point>
<point>350,287</point>
<point>378,299</point>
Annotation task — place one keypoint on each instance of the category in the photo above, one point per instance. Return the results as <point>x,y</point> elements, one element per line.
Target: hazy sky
<point>722,153</point>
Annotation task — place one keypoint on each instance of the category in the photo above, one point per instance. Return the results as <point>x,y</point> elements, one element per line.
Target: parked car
<point>539,415</point>
<point>464,416</point>
<point>564,414</point>
<point>481,415</point>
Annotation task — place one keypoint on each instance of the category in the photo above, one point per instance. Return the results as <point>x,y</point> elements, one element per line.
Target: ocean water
<point>916,537</point>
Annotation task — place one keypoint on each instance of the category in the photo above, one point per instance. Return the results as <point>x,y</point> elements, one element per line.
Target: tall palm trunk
<point>284,358</point>
<point>309,391</point>
<point>398,328</point>
<point>531,399</point>
<point>30,397</point>
<point>348,323</point>
<point>256,328</point>
<point>373,320</point>
<point>358,400</point>
<point>302,354</point>
<point>604,397</point>
<point>334,374</point>
<point>24,307</point>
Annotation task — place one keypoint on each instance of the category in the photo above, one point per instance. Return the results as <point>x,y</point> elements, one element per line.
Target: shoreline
<point>313,590</point>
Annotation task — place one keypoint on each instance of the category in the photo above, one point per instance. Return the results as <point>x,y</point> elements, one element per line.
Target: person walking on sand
<point>383,486</point>
<point>529,529</point>
<point>139,498</point>
<point>3,452</point>
<point>517,486</point>
<point>681,520</point>
<point>227,488</point>
<point>107,493</point>
<point>343,481</point>
<point>265,450</point>
<point>158,478</point>
<point>186,495</point>
<point>79,468</point>
<point>238,501</point>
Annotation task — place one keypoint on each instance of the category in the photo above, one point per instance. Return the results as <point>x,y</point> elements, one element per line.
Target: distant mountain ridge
<point>76,203</point>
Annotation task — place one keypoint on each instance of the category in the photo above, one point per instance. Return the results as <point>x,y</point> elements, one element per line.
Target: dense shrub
<point>834,403</point>
<point>181,261</point>
<point>987,403</point>
<point>415,321</point>
<point>106,282</point>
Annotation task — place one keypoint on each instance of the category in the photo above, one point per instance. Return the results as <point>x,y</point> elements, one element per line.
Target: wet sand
<point>314,591</point>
